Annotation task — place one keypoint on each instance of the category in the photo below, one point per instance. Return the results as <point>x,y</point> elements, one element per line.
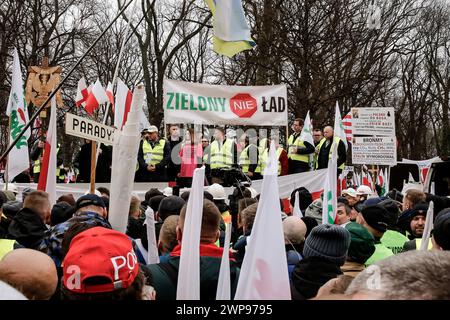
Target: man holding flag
<point>299,149</point>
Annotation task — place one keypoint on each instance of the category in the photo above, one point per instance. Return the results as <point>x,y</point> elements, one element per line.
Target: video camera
<point>233,177</point>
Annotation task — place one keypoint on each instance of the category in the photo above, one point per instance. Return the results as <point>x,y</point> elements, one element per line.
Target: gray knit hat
<point>328,241</point>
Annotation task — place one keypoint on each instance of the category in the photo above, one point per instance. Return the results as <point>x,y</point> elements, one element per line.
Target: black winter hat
<point>377,217</point>
<point>11,208</point>
<point>441,229</point>
<point>304,197</point>
<point>394,212</point>
<point>404,221</point>
<point>327,241</point>
<point>60,213</point>
<point>170,206</point>
<point>155,201</point>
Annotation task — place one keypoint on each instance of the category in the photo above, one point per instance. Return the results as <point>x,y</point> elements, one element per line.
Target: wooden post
<point>93,165</point>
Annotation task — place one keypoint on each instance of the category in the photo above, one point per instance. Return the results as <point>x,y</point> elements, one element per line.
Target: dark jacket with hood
<point>27,228</point>
<point>310,274</point>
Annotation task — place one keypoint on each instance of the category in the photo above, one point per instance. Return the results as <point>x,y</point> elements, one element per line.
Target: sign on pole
<point>373,122</point>
<point>374,141</point>
<point>374,150</point>
<point>89,129</point>
<point>226,105</point>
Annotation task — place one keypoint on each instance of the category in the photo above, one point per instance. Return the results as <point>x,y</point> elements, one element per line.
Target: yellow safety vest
<point>153,155</point>
<point>419,243</point>
<point>37,165</point>
<point>6,246</point>
<point>265,155</point>
<point>221,157</point>
<point>244,160</point>
<point>335,141</point>
<point>298,143</point>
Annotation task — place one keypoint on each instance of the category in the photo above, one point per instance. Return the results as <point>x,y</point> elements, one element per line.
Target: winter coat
<point>165,275</point>
<point>310,274</point>
<point>27,228</point>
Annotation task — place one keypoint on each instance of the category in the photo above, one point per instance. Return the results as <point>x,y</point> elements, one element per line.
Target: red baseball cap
<point>99,260</point>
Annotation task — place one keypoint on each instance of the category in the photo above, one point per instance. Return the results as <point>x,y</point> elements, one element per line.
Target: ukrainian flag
<point>231,32</point>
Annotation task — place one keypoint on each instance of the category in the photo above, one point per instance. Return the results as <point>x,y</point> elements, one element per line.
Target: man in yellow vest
<point>283,161</point>
<point>36,155</point>
<point>153,156</point>
<point>298,150</point>
<point>324,150</point>
<point>222,155</point>
<point>414,220</point>
<point>376,219</point>
<point>249,157</point>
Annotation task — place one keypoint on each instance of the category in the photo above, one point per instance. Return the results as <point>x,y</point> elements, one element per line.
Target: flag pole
<point>7,159</point>
<point>93,165</point>
<point>53,93</point>
<point>116,70</point>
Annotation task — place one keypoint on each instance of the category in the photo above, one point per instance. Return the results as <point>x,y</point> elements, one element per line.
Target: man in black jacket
<point>325,148</point>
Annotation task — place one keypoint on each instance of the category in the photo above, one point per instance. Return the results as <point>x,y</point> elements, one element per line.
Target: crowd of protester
<point>69,251</point>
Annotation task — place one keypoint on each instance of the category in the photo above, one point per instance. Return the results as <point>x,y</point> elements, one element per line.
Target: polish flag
<point>47,178</point>
<point>109,93</point>
<point>97,97</point>
<point>82,93</point>
<point>124,96</point>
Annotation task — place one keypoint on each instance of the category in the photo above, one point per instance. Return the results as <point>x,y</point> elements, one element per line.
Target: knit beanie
<point>330,242</point>
<point>441,229</point>
<point>377,217</point>
<point>362,243</point>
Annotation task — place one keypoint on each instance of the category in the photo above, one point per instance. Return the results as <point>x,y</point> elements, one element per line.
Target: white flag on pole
<point>339,130</point>
<point>428,227</point>
<point>188,287</point>
<point>152,252</point>
<point>264,272</point>
<point>224,283</point>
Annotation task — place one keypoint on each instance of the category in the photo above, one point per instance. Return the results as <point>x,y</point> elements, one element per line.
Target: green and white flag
<point>329,191</point>
<point>306,135</point>
<point>339,130</point>
<point>18,159</point>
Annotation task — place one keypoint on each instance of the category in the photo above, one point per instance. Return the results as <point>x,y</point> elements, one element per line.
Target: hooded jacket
<point>27,228</point>
<point>310,274</point>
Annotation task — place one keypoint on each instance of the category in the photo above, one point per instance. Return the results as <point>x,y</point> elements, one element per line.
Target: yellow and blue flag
<point>231,31</point>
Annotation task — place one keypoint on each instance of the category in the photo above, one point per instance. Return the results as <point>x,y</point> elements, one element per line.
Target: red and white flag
<point>347,122</point>
<point>124,97</point>
<point>97,97</point>
<point>47,178</point>
<point>109,93</point>
<point>82,93</point>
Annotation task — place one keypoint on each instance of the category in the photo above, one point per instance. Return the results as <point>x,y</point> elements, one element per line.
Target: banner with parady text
<point>186,102</point>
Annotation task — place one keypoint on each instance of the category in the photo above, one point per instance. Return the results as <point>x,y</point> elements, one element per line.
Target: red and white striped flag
<point>347,122</point>
<point>47,178</point>
<point>109,93</point>
<point>82,93</point>
<point>124,96</point>
<point>97,97</point>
